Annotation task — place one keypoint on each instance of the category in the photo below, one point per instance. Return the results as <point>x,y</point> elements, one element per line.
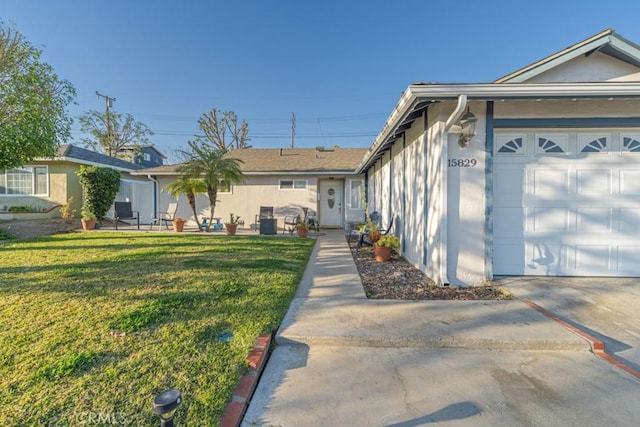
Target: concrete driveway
<point>607,308</point>
<point>344,360</point>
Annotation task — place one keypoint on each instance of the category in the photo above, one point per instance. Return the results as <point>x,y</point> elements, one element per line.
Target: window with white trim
<point>293,184</point>
<point>224,187</point>
<point>356,193</point>
<point>146,157</point>
<point>24,181</point>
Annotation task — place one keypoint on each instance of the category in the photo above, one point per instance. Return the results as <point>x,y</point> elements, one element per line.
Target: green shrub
<point>389,241</point>
<point>99,189</point>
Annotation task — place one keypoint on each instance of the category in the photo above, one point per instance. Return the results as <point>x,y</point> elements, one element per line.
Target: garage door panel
<point>594,183</point>
<point>593,258</point>
<point>546,257</point>
<point>509,258</point>
<point>629,223</point>
<point>546,219</point>
<point>594,220</point>
<point>549,183</point>
<point>630,183</point>
<point>628,259</point>
<point>506,181</point>
<point>508,222</point>
<point>575,215</point>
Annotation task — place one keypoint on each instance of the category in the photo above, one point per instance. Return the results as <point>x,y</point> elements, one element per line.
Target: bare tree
<point>222,131</point>
<point>111,132</point>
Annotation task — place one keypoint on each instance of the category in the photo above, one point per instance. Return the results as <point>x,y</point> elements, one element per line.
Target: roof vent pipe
<point>281,152</point>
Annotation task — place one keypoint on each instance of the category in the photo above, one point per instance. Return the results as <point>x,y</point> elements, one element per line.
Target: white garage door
<point>567,204</point>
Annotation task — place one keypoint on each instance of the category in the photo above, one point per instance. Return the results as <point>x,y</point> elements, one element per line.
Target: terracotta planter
<point>178,226</point>
<point>88,224</point>
<point>302,231</point>
<point>382,253</point>
<point>231,229</point>
<point>374,237</point>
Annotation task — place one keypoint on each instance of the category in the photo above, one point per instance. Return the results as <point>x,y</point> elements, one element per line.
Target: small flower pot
<point>231,229</point>
<point>303,231</point>
<point>382,253</point>
<point>88,224</point>
<point>178,226</point>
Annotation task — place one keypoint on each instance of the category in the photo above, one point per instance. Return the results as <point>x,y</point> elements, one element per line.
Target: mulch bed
<point>397,279</point>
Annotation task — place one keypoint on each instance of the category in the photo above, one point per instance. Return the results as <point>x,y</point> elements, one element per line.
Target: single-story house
<point>45,182</point>
<point>547,185</point>
<point>323,180</point>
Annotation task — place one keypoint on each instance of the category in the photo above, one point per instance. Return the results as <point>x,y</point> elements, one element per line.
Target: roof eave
<point>418,94</point>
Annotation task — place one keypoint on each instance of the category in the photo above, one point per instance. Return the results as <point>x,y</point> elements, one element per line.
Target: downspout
<point>444,160</point>
<point>155,194</point>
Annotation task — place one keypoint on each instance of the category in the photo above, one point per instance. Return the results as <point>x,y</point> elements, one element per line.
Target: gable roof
<point>607,42</point>
<point>74,154</point>
<point>271,161</point>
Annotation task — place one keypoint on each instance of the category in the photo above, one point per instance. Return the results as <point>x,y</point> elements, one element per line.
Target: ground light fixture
<point>468,125</point>
<point>165,405</point>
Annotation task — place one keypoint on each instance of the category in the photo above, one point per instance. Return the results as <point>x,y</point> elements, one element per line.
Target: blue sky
<point>340,66</point>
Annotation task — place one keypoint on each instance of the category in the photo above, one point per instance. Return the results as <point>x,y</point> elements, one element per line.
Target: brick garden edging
<point>235,409</point>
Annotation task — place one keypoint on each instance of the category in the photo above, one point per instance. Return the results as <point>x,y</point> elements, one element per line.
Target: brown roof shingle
<point>296,160</point>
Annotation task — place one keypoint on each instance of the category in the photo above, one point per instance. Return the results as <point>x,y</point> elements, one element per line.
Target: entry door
<point>331,203</point>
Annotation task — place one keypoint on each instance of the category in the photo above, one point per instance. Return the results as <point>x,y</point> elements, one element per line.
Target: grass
<point>96,324</point>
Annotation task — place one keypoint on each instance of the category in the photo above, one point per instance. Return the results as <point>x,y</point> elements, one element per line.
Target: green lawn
<point>96,324</point>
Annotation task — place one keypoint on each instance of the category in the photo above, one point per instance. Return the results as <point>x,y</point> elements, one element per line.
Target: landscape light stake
<point>165,405</point>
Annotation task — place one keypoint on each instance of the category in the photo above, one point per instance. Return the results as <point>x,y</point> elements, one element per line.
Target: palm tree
<point>189,187</point>
<point>214,168</point>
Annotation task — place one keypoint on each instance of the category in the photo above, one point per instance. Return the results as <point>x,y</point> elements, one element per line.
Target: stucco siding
<point>597,67</point>
<point>559,108</point>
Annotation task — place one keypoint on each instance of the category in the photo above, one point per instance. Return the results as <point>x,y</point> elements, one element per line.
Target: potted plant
<point>232,225</point>
<point>302,229</point>
<point>88,219</point>
<point>178,224</point>
<point>382,248</point>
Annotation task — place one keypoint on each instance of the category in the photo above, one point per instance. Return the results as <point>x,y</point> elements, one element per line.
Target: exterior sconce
<point>468,125</point>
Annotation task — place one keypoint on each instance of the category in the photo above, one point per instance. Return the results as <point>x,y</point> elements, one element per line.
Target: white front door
<point>331,203</point>
<point>567,204</point>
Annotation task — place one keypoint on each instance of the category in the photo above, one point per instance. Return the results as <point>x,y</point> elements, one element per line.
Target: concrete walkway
<point>342,359</point>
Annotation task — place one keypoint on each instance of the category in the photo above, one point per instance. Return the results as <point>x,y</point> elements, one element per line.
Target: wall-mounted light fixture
<point>468,125</point>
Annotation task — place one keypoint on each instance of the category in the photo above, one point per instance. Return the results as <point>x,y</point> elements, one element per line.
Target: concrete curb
<point>597,346</point>
<point>257,358</point>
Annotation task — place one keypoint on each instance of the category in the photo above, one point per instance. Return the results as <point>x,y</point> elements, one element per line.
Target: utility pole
<point>107,100</point>
<point>293,127</point>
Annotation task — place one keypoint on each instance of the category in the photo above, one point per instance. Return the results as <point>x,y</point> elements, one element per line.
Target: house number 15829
<point>462,163</point>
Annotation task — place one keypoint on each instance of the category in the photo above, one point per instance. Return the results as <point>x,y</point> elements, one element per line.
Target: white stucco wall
<point>558,108</point>
<point>597,67</point>
<point>245,199</point>
<point>466,205</point>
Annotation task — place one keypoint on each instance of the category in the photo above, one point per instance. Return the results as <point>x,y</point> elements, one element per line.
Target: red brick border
<point>597,346</point>
<point>235,409</point>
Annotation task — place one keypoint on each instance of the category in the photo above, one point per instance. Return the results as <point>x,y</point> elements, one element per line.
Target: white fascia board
<point>626,47</point>
<point>492,91</point>
<point>275,173</point>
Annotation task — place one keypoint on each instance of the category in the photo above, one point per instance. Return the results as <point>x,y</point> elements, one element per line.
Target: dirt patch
<point>23,229</point>
<point>397,279</point>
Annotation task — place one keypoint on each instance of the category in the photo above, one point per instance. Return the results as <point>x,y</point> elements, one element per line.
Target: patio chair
<point>266,212</point>
<point>364,236</point>
<point>123,211</point>
<point>165,217</point>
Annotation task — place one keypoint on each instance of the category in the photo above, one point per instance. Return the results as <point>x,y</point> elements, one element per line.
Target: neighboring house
<point>548,186</point>
<point>323,180</point>
<point>49,181</point>
<point>147,156</point>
